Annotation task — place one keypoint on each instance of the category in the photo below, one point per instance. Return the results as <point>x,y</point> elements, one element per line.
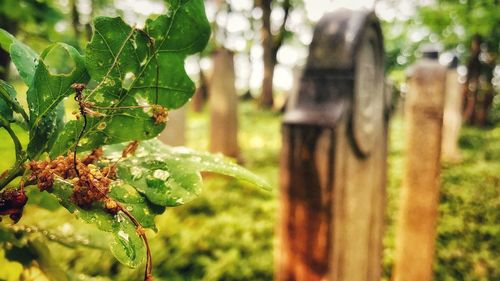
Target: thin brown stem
<point>121,107</point>
<point>148,271</point>
<point>11,174</point>
<point>148,276</point>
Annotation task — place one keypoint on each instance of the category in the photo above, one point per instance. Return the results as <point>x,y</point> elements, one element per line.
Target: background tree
<point>270,45</point>
<point>456,23</point>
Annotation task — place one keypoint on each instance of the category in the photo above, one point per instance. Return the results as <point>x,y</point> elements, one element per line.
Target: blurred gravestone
<point>175,132</point>
<point>415,238</point>
<point>223,103</point>
<point>333,166</point>
<point>452,117</point>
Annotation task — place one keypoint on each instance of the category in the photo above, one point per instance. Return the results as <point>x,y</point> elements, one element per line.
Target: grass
<point>229,232</point>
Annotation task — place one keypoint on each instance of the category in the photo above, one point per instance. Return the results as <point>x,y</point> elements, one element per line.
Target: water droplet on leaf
<point>161,174</point>
<point>123,235</point>
<point>101,126</point>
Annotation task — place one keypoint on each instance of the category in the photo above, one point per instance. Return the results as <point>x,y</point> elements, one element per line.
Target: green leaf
<point>6,39</point>
<point>10,270</point>
<point>25,60</point>
<point>60,66</point>
<point>50,267</point>
<point>126,246</point>
<point>7,100</point>
<point>7,236</point>
<point>23,57</point>
<point>136,204</point>
<point>184,28</point>
<point>131,67</point>
<point>110,129</point>
<point>170,176</point>
<point>57,226</point>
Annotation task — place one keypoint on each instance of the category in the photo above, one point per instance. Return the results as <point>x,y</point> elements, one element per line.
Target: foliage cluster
<point>124,84</point>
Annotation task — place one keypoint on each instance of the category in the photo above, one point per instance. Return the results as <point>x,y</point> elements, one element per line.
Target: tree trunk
<point>88,25</point>
<point>266,97</point>
<point>485,91</point>
<point>75,20</point>
<point>471,86</point>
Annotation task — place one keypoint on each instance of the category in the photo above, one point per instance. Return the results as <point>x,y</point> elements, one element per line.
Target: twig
<point>148,275</point>
<point>139,229</point>
<point>78,98</point>
<point>13,173</point>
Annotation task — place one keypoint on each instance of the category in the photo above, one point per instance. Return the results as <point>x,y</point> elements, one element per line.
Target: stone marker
<point>333,165</point>
<point>415,237</point>
<point>223,102</point>
<point>175,132</point>
<point>452,117</point>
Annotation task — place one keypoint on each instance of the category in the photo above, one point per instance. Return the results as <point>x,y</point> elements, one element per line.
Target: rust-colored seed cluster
<point>44,171</point>
<point>160,114</point>
<point>109,172</point>
<point>12,203</point>
<point>91,186</point>
<point>95,155</point>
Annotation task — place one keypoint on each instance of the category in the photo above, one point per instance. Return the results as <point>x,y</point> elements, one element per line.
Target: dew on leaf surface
<point>101,126</point>
<point>123,235</point>
<point>136,172</point>
<point>161,174</point>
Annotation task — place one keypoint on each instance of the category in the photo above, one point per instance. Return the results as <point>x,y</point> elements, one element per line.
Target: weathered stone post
<point>415,237</point>
<point>223,103</point>
<point>333,165</point>
<point>452,117</point>
<point>175,132</point>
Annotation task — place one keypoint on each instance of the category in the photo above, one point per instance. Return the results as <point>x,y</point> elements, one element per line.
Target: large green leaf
<point>170,176</point>
<point>60,66</point>
<point>23,57</point>
<point>7,100</point>
<point>6,39</point>
<point>25,60</point>
<point>9,103</point>
<point>131,67</point>
<point>126,245</point>
<point>136,204</point>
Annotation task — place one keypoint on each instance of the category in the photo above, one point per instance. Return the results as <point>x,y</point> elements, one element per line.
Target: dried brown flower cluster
<point>12,203</point>
<point>91,186</point>
<point>44,171</point>
<point>160,114</point>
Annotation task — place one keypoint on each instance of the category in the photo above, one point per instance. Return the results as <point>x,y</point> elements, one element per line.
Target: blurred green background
<point>229,232</point>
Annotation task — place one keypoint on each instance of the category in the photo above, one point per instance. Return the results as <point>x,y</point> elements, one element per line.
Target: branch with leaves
<point>124,85</point>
